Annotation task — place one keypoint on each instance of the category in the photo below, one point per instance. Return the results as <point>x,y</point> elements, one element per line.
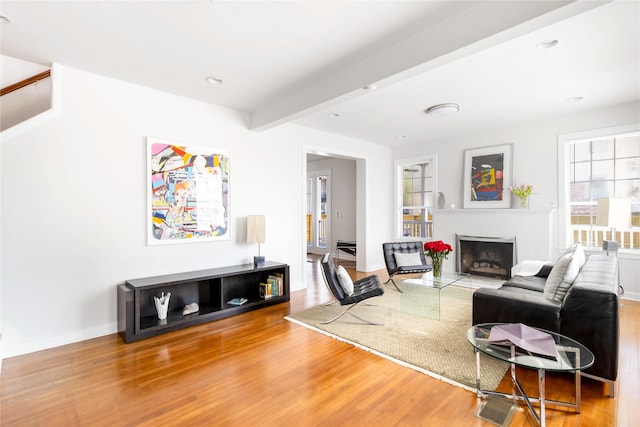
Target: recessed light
<point>4,19</point>
<point>443,109</point>
<point>370,87</point>
<point>215,80</point>
<point>334,115</point>
<point>575,99</point>
<point>547,44</point>
<point>402,136</point>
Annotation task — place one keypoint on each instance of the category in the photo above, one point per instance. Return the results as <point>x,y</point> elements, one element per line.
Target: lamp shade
<point>255,229</point>
<point>614,213</point>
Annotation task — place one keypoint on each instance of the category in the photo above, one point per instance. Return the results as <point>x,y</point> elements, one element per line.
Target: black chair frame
<point>365,288</point>
<point>389,249</point>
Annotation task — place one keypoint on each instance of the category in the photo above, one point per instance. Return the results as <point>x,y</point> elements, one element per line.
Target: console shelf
<point>210,289</point>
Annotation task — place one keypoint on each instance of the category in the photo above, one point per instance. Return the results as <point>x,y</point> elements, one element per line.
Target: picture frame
<point>487,177</point>
<point>187,192</point>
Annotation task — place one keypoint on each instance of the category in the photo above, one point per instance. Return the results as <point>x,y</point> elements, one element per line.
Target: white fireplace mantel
<point>532,228</point>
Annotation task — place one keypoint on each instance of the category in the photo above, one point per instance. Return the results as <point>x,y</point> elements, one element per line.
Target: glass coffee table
<point>421,295</point>
<point>571,356</point>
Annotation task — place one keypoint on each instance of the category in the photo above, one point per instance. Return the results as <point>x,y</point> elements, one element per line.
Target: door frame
<point>361,199</point>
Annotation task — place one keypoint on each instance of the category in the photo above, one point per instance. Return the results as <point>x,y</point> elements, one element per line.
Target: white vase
<point>162,305</point>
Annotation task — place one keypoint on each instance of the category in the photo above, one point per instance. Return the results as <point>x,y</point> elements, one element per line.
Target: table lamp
<point>613,213</point>
<point>256,234</point>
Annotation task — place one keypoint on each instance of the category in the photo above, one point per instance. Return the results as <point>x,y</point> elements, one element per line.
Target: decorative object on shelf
<point>162,305</point>
<point>237,301</point>
<point>190,308</point>
<point>487,173</point>
<point>438,251</point>
<point>522,191</point>
<point>187,192</point>
<point>256,234</point>
<point>441,200</point>
<point>613,213</point>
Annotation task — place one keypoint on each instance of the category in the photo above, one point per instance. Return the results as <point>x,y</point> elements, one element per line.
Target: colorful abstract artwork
<point>188,192</point>
<point>487,176</point>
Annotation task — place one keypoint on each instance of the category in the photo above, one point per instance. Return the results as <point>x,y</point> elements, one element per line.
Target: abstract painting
<point>188,192</point>
<point>487,177</point>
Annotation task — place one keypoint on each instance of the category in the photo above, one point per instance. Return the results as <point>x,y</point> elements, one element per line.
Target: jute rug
<point>411,335</point>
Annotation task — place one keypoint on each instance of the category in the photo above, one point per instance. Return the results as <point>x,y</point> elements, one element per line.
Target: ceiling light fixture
<point>370,87</point>
<point>334,115</point>
<point>575,99</point>
<point>215,80</point>
<point>547,44</point>
<point>442,109</point>
<point>4,19</point>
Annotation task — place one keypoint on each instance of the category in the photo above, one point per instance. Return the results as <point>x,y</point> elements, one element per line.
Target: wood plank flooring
<point>257,369</point>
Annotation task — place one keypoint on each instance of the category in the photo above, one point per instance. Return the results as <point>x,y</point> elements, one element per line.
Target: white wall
<point>534,161</point>
<point>74,203</point>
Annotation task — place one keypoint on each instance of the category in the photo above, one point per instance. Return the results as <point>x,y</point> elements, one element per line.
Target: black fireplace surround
<point>485,256</point>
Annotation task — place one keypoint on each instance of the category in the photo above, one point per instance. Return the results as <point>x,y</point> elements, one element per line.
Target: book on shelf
<point>237,301</point>
<point>273,287</point>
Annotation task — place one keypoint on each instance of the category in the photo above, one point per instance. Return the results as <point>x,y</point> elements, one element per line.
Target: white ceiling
<point>299,61</point>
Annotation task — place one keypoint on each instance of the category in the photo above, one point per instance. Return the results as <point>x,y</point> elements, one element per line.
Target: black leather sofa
<point>589,312</point>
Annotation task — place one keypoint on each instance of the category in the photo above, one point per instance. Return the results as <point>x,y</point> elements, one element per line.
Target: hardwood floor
<point>259,369</point>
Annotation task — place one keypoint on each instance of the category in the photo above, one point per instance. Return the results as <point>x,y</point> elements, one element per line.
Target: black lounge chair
<point>365,288</point>
<point>390,249</point>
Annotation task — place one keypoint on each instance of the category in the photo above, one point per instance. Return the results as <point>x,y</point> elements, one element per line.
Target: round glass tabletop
<point>569,355</point>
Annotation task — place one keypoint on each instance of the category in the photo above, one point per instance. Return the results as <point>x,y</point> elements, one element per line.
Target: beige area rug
<point>411,335</point>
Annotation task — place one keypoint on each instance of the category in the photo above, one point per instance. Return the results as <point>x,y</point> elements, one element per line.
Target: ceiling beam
<point>473,29</point>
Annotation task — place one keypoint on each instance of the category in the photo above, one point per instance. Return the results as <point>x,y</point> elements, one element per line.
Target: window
<point>416,188</point>
<point>603,167</point>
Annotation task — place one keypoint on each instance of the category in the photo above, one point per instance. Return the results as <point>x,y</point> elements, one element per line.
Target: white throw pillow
<point>345,280</point>
<point>556,287</point>
<point>406,260</point>
<point>577,253</point>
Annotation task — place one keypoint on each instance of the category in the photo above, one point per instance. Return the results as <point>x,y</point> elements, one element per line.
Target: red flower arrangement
<point>437,251</point>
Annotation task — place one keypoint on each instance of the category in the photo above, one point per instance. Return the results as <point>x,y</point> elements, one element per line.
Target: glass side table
<point>571,357</point>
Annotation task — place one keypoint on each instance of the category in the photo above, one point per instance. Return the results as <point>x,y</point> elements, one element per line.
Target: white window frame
<point>399,165</point>
<point>564,169</point>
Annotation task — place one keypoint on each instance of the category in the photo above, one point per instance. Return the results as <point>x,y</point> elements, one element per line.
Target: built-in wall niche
<point>485,256</point>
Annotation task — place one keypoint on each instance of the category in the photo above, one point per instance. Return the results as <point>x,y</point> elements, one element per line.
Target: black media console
<point>211,289</point>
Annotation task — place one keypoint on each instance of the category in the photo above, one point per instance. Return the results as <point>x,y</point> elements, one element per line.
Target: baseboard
<point>9,350</point>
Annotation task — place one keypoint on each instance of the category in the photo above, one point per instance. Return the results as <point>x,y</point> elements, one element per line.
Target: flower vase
<point>437,267</point>
<point>523,203</point>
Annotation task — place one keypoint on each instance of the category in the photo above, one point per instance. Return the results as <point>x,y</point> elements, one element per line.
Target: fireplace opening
<point>486,256</point>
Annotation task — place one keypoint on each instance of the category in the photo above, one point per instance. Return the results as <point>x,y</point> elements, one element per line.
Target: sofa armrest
<point>591,314</point>
<point>591,317</point>
<point>515,306</point>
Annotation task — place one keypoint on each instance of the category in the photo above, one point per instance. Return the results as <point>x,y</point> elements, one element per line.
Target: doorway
<point>344,198</point>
